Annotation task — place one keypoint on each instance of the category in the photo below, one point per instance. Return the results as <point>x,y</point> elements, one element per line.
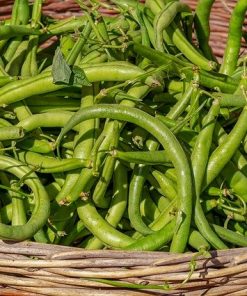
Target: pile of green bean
<point>123,133</point>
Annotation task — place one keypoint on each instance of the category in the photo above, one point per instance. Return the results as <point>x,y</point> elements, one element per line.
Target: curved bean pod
<point>41,211</point>
<point>169,142</point>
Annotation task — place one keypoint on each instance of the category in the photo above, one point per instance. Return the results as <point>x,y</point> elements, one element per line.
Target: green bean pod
<point>41,210</point>
<point>201,19</point>
<point>199,158</point>
<point>46,164</point>
<point>164,19</point>
<point>144,157</point>
<point>118,202</point>
<point>223,153</point>
<point>165,137</point>
<point>43,83</point>
<point>233,44</point>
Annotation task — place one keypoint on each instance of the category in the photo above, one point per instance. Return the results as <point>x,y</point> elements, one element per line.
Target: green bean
<point>13,66</point>
<point>79,45</point>
<point>86,178</point>
<point>100,228</point>
<point>208,204</point>
<point>6,214</point>
<point>202,14</point>
<point>229,100</point>
<point>238,158</point>
<point>221,156</point>
<point>41,211</point>
<point>144,157</point>
<point>155,6</point>
<point>20,12</point>
<point>6,79</point>
<point>135,193</point>
<point>99,197</point>
<point>57,220</point>
<point>18,209</point>
<point>199,158</point>
<point>164,19</point>
<point>20,16</point>
<point>14,30</point>
<point>11,133</point>
<point>10,51</point>
<point>208,79</point>
<point>148,209</point>
<point>83,144</point>
<point>118,203</point>
<point>160,200</point>
<point>52,190</point>
<point>149,28</point>
<point>156,240</point>
<point>30,66</point>
<point>49,119</point>
<point>166,138</point>
<point>43,83</point>
<point>230,236</point>
<point>167,186</point>
<point>35,145</point>
<point>236,179</point>
<point>233,44</point>
<point>71,24</point>
<point>197,241</point>
<point>183,103</point>
<point>46,164</point>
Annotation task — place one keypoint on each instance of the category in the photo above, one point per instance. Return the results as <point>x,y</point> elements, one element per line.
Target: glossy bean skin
<point>49,119</point>
<point>230,236</point>
<point>167,187</point>
<point>164,19</point>
<point>202,28</point>
<point>208,79</point>
<point>118,202</point>
<point>11,133</point>
<point>9,31</point>
<point>165,137</point>
<point>135,193</point>
<point>154,241</point>
<point>144,157</point>
<point>65,26</point>
<point>179,39</point>
<point>222,155</point>
<point>43,83</point>
<point>199,158</point>
<point>46,164</point>
<point>99,194</point>
<point>197,241</point>
<point>83,144</point>
<point>18,207</point>
<point>41,211</point>
<point>233,45</point>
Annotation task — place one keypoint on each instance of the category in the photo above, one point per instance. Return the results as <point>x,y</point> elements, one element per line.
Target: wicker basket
<point>220,16</point>
<point>59,270</point>
<point>36,269</point>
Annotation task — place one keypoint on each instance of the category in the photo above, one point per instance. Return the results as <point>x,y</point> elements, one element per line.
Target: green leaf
<point>61,71</point>
<point>78,77</point>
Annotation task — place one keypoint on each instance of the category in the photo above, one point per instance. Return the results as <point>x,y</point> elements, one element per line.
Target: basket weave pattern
<point>220,16</point>
<point>59,270</point>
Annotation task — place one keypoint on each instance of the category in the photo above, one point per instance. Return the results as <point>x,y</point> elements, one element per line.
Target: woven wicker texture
<point>66,271</point>
<point>219,21</point>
